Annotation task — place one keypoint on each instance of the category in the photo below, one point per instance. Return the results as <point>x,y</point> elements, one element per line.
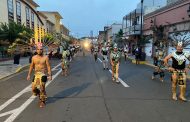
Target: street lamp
<point>141,17</point>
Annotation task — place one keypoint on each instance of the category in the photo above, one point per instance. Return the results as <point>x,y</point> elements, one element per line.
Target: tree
<point>48,39</point>
<point>145,39</point>
<point>13,31</point>
<point>118,39</point>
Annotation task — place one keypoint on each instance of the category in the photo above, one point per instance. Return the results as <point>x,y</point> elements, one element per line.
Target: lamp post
<point>141,18</point>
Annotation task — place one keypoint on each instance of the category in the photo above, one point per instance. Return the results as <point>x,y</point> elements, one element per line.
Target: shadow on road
<point>74,91</point>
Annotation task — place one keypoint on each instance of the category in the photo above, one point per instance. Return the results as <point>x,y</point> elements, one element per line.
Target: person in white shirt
<point>104,52</point>
<point>126,50</point>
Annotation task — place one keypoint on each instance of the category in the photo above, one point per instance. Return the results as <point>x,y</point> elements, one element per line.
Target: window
<point>32,19</point>
<point>27,17</point>
<point>10,10</point>
<point>38,31</point>
<point>18,12</point>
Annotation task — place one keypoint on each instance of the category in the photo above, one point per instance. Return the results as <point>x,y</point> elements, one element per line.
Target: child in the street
<point>159,70</point>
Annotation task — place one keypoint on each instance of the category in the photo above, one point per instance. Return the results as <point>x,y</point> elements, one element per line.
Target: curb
<point>151,65</point>
<point>19,69</point>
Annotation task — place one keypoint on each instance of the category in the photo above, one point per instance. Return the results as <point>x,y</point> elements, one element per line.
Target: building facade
<point>173,17</point>
<point>101,37</point>
<point>55,18</point>
<point>23,12</point>
<point>171,1</point>
<point>112,31</point>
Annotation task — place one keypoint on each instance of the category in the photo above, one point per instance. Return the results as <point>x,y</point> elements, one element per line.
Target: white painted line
<point>7,113</point>
<point>14,98</point>
<point>56,67</point>
<point>100,60</point>
<point>120,80</point>
<point>23,106</point>
<point>19,94</point>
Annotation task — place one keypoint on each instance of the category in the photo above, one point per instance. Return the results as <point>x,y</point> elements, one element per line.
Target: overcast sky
<point>82,16</point>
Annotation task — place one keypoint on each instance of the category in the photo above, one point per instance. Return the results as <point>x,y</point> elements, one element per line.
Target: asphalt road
<point>89,95</point>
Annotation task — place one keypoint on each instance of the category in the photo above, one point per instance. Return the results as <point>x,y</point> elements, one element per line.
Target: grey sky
<point>82,16</point>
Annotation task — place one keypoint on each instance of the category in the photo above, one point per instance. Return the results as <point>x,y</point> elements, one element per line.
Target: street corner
<point>21,68</point>
<point>140,62</point>
<point>149,64</point>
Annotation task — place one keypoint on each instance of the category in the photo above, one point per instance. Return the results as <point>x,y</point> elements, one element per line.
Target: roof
<point>50,22</point>
<point>53,12</point>
<point>167,7</point>
<point>41,14</point>
<point>33,3</point>
<point>132,14</point>
<point>64,27</point>
<point>33,10</point>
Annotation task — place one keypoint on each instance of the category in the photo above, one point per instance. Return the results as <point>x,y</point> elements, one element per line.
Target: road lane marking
<point>100,60</point>
<point>7,113</point>
<point>19,94</point>
<point>27,89</point>
<point>120,80</point>
<point>27,103</point>
<point>14,98</point>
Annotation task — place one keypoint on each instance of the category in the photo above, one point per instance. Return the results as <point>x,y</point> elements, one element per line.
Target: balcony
<point>133,30</point>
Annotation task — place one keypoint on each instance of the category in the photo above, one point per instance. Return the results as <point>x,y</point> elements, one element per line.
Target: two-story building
<point>174,17</point>
<point>132,23</point>
<point>23,12</point>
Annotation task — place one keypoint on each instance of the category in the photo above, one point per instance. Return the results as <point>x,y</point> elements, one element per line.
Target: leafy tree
<point>118,39</point>
<point>48,39</point>
<point>13,31</point>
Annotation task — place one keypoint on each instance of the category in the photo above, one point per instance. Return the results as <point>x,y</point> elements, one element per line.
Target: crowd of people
<point>178,64</point>
<point>112,54</point>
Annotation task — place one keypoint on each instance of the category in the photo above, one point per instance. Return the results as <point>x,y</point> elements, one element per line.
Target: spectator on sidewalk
<point>17,57</point>
<point>138,52</point>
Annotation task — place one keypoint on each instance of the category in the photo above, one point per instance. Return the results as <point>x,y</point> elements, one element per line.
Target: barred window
<point>32,19</point>
<point>18,12</point>
<point>10,10</point>
<point>27,17</point>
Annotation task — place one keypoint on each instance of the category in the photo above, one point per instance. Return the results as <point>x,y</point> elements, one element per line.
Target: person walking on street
<point>114,60</point>
<point>159,70</point>
<point>96,53</point>
<point>105,56</point>
<point>179,70</point>
<point>126,50</point>
<point>41,65</point>
<point>65,62</point>
<point>138,53</point>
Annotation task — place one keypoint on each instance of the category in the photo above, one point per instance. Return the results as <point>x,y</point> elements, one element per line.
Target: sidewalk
<point>149,61</point>
<point>7,68</point>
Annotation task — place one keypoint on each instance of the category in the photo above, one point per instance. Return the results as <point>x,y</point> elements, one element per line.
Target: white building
<point>112,31</point>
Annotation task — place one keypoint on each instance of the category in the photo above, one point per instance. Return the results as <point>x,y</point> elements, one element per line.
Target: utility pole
<point>141,19</point>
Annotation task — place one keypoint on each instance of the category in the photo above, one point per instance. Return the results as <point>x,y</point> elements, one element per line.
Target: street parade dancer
<point>178,69</point>
<point>115,60</point>
<point>160,67</point>
<point>96,52</point>
<point>125,51</point>
<point>65,62</point>
<point>105,56</point>
<point>40,64</point>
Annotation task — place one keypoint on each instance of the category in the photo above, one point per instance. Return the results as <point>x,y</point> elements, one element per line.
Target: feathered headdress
<point>180,40</point>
